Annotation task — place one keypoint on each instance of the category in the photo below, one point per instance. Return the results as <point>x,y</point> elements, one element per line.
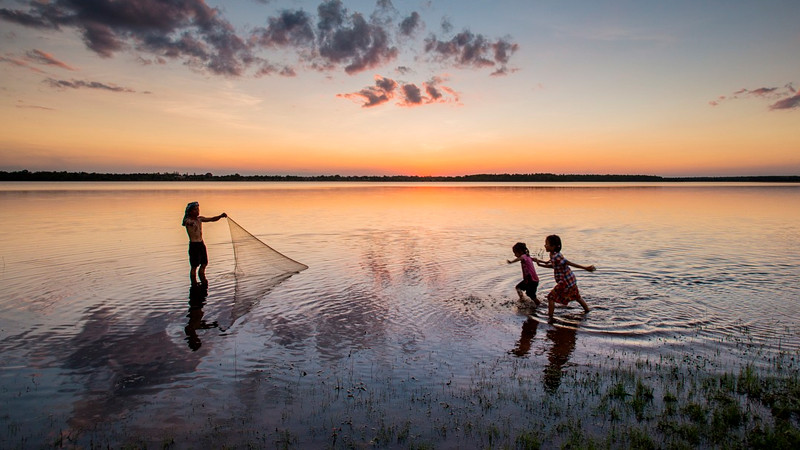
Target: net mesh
<point>257,259</point>
<point>258,269</point>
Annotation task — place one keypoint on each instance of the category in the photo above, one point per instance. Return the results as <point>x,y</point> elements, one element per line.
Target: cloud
<point>48,59</point>
<point>80,84</point>
<point>339,39</point>
<point>410,24</point>
<point>406,94</point>
<point>467,49</point>
<point>21,104</point>
<point>350,40</point>
<point>27,19</point>
<point>289,28</point>
<point>188,29</point>
<point>34,56</point>
<point>328,39</point>
<point>19,63</point>
<point>787,103</point>
<point>271,69</point>
<point>412,95</point>
<point>786,97</point>
<point>382,92</point>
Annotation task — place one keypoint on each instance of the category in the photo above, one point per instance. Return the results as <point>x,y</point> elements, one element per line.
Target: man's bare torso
<point>194,228</point>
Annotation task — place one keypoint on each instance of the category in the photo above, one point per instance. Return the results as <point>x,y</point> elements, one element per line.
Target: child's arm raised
<point>586,268</point>
<point>512,261</point>
<point>541,263</point>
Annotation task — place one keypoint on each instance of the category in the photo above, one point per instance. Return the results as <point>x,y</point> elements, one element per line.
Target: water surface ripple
<point>407,288</point>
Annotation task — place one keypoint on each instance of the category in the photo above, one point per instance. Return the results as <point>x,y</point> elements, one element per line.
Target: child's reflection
<point>528,333</point>
<point>197,299</point>
<point>563,339</point>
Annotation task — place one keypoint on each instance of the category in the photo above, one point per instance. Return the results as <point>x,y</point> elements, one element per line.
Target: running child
<point>566,287</point>
<point>198,256</point>
<point>530,281</point>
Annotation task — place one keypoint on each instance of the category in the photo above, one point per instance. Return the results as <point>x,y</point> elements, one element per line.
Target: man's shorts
<point>197,254</point>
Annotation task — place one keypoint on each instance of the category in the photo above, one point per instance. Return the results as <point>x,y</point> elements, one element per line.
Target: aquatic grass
<point>501,403</point>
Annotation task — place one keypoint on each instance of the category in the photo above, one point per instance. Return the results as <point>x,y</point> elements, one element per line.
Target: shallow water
<point>407,293</point>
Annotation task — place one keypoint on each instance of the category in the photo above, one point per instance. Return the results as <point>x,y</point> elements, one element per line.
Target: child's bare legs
<point>521,295</point>
<point>193,276</point>
<point>583,303</point>
<point>551,306</point>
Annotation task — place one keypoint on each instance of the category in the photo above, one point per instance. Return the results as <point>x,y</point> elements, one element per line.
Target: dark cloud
<point>412,95</point>
<point>787,103</point>
<point>760,92</point>
<point>787,97</point>
<point>407,95</point>
<point>81,84</point>
<point>439,93</point>
<point>382,92</point>
<point>28,19</point>
<point>467,49</point>
<point>47,59</point>
<point>177,29</point>
<point>503,50</point>
<point>447,27</point>
<point>410,24</point>
<point>384,12</point>
<point>331,38</point>
<point>290,28</point>
<point>271,69</point>
<point>349,40</point>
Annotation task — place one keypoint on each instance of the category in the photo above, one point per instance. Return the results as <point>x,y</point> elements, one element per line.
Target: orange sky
<point>689,91</point>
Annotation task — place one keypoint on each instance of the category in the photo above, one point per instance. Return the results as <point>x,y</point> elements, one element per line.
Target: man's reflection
<point>563,338</point>
<point>197,299</point>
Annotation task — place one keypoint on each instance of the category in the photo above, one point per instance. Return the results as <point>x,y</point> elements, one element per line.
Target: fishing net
<point>257,259</point>
<point>258,269</point>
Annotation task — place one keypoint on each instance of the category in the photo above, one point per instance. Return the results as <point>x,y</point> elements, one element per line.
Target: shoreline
<point>25,175</point>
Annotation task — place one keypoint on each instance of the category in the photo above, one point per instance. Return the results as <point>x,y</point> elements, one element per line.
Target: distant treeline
<point>24,175</point>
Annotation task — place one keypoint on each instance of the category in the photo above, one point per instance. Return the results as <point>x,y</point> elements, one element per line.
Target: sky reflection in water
<point>407,289</point>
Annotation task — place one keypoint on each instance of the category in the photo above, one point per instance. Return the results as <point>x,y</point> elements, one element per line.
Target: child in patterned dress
<point>566,287</point>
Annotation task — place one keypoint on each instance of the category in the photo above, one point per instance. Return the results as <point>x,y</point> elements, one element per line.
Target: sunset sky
<point>675,88</point>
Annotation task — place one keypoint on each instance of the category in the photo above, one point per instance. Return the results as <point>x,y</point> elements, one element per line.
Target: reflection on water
<point>561,336</point>
<point>529,328</point>
<point>120,364</point>
<point>197,300</point>
<point>407,291</point>
<point>563,339</point>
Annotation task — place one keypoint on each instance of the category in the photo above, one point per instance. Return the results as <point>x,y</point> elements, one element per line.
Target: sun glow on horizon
<point>549,90</point>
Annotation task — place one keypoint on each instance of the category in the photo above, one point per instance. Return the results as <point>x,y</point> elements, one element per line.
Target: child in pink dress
<point>530,281</point>
<point>566,287</point>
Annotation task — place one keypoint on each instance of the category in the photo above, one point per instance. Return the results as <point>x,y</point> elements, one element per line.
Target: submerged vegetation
<point>670,404</point>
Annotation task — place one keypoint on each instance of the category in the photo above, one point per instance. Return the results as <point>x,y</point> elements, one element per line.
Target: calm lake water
<point>408,293</point>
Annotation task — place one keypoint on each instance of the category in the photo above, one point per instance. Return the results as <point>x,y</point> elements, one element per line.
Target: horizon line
<point>44,175</point>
